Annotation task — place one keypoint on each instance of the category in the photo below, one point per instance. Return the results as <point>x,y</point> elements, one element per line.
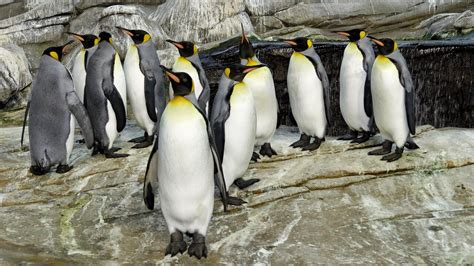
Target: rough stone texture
<point>335,205</point>
<point>14,72</point>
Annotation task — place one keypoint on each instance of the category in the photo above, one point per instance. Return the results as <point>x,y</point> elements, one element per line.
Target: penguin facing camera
<point>52,104</point>
<point>393,98</point>
<point>182,161</point>
<point>145,84</point>
<point>308,88</point>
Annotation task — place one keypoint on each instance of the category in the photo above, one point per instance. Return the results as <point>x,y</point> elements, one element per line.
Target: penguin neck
<point>178,100</point>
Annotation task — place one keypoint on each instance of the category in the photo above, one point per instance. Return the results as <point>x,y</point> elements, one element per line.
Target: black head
<point>138,36</point>
<point>353,35</point>
<point>238,72</point>
<point>87,40</point>
<point>245,47</point>
<point>181,82</point>
<point>105,37</point>
<point>385,46</point>
<point>57,52</point>
<point>185,49</point>
<point>300,44</point>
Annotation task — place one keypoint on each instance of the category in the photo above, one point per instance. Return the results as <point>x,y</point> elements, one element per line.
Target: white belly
<point>79,74</point>
<point>119,80</point>
<point>70,138</point>
<point>306,96</point>
<point>185,172</point>
<point>111,126</point>
<point>389,102</point>
<point>352,82</point>
<point>240,129</point>
<point>260,82</point>
<point>136,89</point>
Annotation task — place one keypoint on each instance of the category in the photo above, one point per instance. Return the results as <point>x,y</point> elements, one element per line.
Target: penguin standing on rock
<point>89,43</point>
<point>105,96</point>
<point>308,88</point>
<point>393,96</point>
<point>52,104</point>
<point>234,122</point>
<point>145,84</point>
<point>261,84</point>
<point>355,95</point>
<point>189,62</point>
<point>182,161</point>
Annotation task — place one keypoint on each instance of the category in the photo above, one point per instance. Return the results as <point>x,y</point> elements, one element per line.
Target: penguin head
<point>138,36</point>
<point>385,46</point>
<point>238,72</point>
<point>353,35</point>
<point>87,40</point>
<point>185,49</point>
<point>105,37</point>
<point>300,44</point>
<point>245,46</point>
<point>57,52</point>
<point>181,82</point>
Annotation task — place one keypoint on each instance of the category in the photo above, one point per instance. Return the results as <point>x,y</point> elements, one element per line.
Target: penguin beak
<point>176,44</point>
<point>249,69</point>
<point>343,33</point>
<point>128,32</point>
<point>244,38</point>
<point>375,40</point>
<point>77,36</point>
<point>290,42</point>
<point>170,74</point>
<point>65,49</point>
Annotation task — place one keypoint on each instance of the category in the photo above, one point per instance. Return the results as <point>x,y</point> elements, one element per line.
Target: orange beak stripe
<point>377,42</point>
<point>291,43</point>
<point>173,77</point>
<point>343,33</point>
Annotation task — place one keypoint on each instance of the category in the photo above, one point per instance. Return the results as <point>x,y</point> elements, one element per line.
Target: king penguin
<point>355,98</point>
<point>145,84</point>
<point>182,161</point>
<point>52,104</point>
<point>104,96</point>
<point>393,95</point>
<point>189,62</point>
<point>234,122</point>
<point>308,88</point>
<point>261,84</point>
<point>89,43</point>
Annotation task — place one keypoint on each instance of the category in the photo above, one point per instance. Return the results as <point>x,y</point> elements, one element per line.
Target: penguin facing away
<point>261,84</point>
<point>89,43</point>
<point>355,95</point>
<point>189,62</point>
<point>102,99</point>
<point>52,104</point>
<point>234,122</point>
<point>182,162</point>
<point>308,88</point>
<point>393,100</point>
<point>145,84</point>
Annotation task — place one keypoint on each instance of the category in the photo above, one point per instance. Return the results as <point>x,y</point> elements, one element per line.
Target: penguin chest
<point>240,129</point>
<point>79,74</point>
<point>119,80</point>
<point>306,95</point>
<point>184,65</point>
<point>352,82</point>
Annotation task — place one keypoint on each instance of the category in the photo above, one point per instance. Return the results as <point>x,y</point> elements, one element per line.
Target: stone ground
<point>335,205</point>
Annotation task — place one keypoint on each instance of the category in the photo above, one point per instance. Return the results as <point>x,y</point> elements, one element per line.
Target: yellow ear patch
<point>146,37</point>
<point>362,34</point>
<point>110,40</point>
<point>227,72</point>
<point>195,49</point>
<point>54,55</point>
<point>96,41</point>
<point>310,44</point>
<point>395,46</point>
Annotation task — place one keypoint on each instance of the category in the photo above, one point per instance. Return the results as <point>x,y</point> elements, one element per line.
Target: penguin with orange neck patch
<point>393,98</point>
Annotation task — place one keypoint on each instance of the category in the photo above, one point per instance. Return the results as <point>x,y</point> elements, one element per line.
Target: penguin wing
<point>322,75</point>
<point>206,90</point>
<point>150,84</point>
<point>24,122</point>
<point>151,174</point>
<point>220,114</point>
<point>407,82</point>
<point>80,113</point>
<point>367,51</point>
<point>112,94</point>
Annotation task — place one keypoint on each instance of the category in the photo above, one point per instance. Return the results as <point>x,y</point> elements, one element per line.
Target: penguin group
<point>200,148</point>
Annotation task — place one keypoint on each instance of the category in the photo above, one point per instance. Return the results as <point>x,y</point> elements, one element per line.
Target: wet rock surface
<point>335,205</point>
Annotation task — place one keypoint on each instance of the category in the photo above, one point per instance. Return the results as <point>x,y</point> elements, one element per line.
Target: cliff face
<point>30,26</point>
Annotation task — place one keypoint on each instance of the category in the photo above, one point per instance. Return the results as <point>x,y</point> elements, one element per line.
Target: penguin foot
<point>365,137</point>
<point>313,146</point>
<point>39,170</point>
<point>176,244</point>
<point>114,149</point>
<point>148,142</point>
<point>235,201</point>
<point>255,157</point>
<point>198,247</point>
<point>394,156</point>
<point>410,144</point>
<point>303,141</point>
<point>110,154</point>
<point>267,150</point>
<point>386,149</point>
<point>349,136</point>
<point>63,168</point>
<point>138,140</point>
<point>80,141</point>
<point>242,183</point>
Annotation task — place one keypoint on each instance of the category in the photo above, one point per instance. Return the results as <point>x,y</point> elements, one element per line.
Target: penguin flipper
<point>24,122</point>
<point>115,99</point>
<point>322,75</point>
<point>220,114</point>
<point>206,90</point>
<point>151,174</point>
<point>150,83</point>
<point>80,112</point>
<point>368,99</point>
